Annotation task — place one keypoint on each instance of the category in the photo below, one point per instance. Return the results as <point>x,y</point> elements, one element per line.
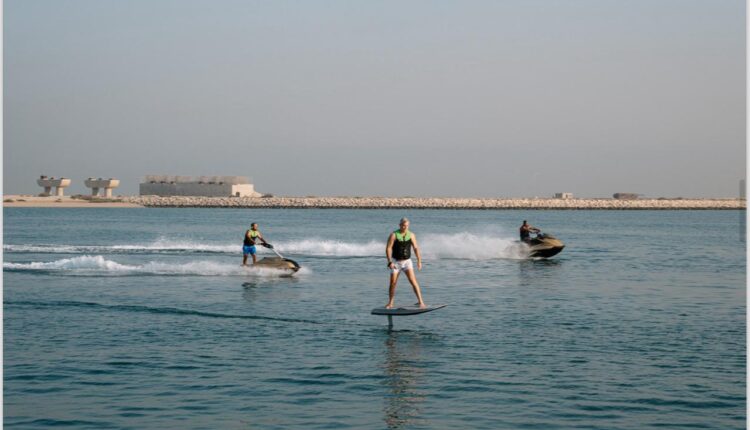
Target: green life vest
<point>402,237</point>
<point>250,241</point>
<point>401,249</point>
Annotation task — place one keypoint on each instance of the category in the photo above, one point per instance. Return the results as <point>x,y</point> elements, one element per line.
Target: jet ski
<point>544,245</point>
<point>278,262</point>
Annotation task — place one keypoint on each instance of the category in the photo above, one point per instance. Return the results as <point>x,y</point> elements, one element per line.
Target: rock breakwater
<point>432,203</point>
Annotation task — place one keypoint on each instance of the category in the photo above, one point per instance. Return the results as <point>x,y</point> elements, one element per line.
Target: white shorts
<point>402,266</point>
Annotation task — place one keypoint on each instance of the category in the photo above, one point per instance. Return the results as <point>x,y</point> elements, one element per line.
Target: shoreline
<point>26,201</point>
<point>378,203</point>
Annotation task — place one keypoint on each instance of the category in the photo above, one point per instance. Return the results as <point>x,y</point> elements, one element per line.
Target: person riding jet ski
<point>542,245</point>
<point>526,231</point>
<point>248,248</point>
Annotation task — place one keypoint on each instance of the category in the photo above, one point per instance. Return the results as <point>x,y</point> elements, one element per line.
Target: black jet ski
<point>544,245</point>
<point>278,262</point>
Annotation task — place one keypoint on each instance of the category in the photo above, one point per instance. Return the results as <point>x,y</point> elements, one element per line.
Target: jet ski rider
<point>526,231</point>
<point>248,245</point>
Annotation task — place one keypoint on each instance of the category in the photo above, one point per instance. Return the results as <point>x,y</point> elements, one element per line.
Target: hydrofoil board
<point>405,310</point>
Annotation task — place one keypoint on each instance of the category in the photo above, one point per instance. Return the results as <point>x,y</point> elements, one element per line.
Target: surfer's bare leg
<point>392,289</point>
<point>415,285</point>
<point>254,259</point>
<point>244,260</point>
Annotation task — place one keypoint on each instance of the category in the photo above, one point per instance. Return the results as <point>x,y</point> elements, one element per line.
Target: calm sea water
<point>142,318</point>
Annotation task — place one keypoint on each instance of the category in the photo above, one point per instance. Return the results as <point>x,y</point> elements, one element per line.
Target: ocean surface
<point>144,319</point>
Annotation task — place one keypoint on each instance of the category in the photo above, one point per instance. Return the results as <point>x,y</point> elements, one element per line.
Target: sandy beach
<point>27,201</point>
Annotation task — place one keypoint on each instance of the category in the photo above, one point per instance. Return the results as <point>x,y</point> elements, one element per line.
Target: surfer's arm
<point>416,250</point>
<point>260,236</point>
<point>389,248</point>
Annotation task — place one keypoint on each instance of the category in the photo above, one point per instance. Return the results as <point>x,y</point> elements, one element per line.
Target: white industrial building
<point>564,196</point>
<point>206,186</point>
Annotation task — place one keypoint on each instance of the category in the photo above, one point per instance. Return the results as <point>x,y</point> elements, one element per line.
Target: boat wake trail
<point>471,246</point>
<point>152,310</point>
<point>333,248</point>
<point>160,246</point>
<point>97,265</point>
<point>462,245</point>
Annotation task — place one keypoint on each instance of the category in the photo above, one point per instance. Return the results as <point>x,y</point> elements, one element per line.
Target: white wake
<point>461,245</point>
<point>98,265</point>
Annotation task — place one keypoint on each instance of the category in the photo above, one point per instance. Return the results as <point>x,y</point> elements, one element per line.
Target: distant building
<point>564,196</point>
<point>625,196</point>
<point>206,186</point>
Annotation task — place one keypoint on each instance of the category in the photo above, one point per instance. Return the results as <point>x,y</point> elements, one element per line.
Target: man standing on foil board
<point>398,253</point>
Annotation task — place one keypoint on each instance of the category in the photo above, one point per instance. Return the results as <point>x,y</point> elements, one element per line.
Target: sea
<point>143,318</point>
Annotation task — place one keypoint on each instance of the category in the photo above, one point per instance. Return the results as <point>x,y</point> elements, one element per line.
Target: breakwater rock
<point>431,203</point>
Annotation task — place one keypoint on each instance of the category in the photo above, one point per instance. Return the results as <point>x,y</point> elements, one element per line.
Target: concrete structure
<point>435,203</point>
<point>564,196</point>
<point>206,186</point>
<point>60,184</point>
<point>105,184</point>
<point>625,196</point>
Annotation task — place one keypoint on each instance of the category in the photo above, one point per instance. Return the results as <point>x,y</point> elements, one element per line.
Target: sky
<point>472,98</point>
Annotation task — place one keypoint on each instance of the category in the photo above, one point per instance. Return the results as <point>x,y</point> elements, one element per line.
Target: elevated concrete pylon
<point>106,184</point>
<point>59,183</point>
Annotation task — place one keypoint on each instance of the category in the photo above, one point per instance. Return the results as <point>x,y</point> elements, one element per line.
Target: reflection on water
<point>531,271</point>
<point>404,378</point>
<point>250,291</point>
<point>273,288</point>
<point>741,225</point>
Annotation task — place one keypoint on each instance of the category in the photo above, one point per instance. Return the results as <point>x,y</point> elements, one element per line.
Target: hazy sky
<point>391,98</point>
